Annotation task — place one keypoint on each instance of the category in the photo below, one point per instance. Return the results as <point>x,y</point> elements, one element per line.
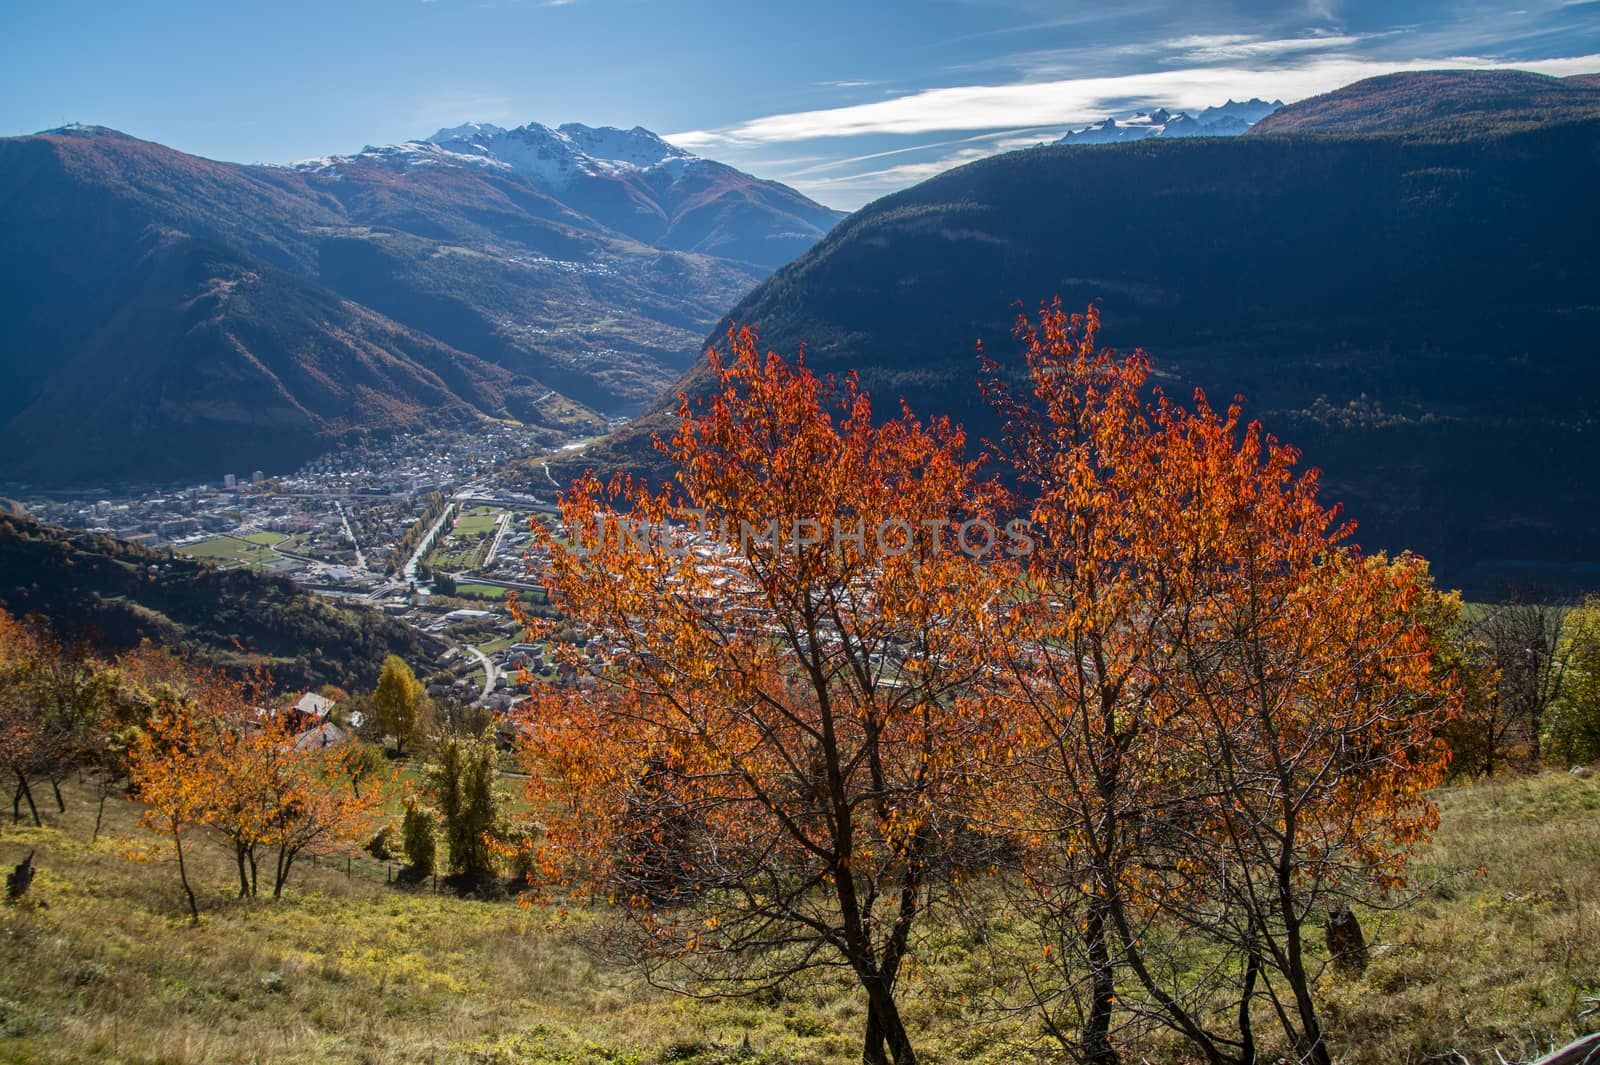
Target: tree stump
<point>1345,941</point>
<point>19,879</point>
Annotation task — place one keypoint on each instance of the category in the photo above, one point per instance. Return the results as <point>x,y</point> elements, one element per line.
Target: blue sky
<point>846,101</point>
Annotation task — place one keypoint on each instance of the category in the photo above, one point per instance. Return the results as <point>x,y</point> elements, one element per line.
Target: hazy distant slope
<point>636,184</point>
<point>1419,314</point>
<point>171,316</point>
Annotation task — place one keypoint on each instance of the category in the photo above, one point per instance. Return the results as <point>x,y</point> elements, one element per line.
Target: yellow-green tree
<point>400,703</point>
<point>1572,727</point>
<point>464,782</point>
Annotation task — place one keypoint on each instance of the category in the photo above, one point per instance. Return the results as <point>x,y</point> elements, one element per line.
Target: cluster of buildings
<point>334,525</point>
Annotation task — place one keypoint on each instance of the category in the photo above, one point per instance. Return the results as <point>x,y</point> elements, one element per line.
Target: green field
<point>478,520</point>
<point>481,591</point>
<point>498,644</point>
<point>257,550</point>
<point>467,543</point>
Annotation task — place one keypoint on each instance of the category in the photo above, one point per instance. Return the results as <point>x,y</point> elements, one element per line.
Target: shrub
<point>420,838</point>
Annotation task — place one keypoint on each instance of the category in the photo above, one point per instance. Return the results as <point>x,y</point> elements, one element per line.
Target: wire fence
<point>384,870</point>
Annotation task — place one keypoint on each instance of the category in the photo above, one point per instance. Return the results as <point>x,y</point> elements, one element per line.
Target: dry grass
<point>1499,953</point>
<point>1503,948</point>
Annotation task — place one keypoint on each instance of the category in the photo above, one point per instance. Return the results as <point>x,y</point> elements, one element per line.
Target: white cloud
<point>1075,100</point>
<point>852,190</point>
<point>692,140</point>
<point>1224,47</point>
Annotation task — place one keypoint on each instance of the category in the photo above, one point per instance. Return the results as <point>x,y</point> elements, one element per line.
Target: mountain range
<point>1225,120</point>
<point>1413,305</point>
<point>171,316</point>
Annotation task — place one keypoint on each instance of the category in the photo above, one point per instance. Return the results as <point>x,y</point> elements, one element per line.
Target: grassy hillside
<point>1499,955</point>
<point>103,589</point>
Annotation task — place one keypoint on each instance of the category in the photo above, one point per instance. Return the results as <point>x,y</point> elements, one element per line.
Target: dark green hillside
<point>1419,315</point>
<point>116,594</point>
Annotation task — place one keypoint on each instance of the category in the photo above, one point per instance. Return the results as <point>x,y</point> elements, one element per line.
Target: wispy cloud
<point>454,107</point>
<point>1227,47</point>
<point>1073,100</point>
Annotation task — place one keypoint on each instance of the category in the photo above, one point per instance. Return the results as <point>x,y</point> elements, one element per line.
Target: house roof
<point>314,705</point>
<point>324,735</point>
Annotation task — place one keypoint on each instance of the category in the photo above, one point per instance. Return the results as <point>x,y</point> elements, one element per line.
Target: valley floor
<point>100,964</point>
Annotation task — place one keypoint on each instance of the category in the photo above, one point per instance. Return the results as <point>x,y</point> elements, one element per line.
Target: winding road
<point>489,671</point>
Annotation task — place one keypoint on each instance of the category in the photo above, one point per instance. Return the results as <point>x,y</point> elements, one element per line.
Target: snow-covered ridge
<point>1227,120</point>
<point>554,156</point>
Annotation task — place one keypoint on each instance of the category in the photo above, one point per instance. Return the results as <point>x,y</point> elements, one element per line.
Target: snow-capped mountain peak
<point>635,147</point>
<point>553,156</point>
<point>1226,120</point>
<point>465,131</point>
<point>557,155</point>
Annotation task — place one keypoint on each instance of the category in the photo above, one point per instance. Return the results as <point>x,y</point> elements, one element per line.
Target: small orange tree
<point>208,758</point>
<point>172,761</point>
<point>1230,718</point>
<point>317,802</point>
<point>775,767</point>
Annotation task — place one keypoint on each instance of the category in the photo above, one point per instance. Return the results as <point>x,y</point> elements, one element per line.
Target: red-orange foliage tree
<point>776,768</point>
<point>1231,717</point>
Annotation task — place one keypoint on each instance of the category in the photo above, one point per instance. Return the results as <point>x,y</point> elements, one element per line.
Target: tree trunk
<point>1310,1046</point>
<point>25,792</point>
<point>1247,1034</point>
<point>285,861</point>
<point>882,1005</point>
<point>183,875</point>
<point>1097,1048</point>
<point>244,881</point>
<point>61,804</point>
<point>100,812</point>
<point>872,1048</point>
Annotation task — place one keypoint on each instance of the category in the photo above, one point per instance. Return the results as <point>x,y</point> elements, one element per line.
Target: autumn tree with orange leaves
<point>208,760</point>
<point>787,729</point>
<point>1230,716</point>
<point>172,764</point>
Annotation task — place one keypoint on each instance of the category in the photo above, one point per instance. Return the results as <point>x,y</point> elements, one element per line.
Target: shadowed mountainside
<point>1417,313</point>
